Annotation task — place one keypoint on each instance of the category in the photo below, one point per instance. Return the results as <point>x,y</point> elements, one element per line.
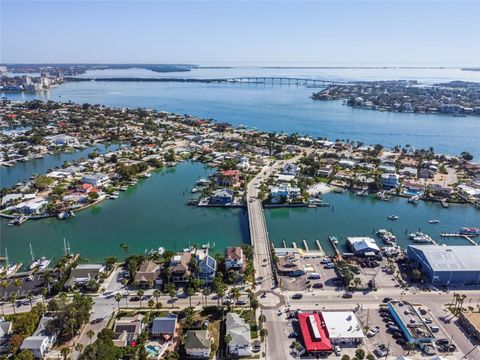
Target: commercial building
<point>343,327</point>
<point>314,333</point>
<point>363,246</point>
<point>447,265</point>
<point>410,322</point>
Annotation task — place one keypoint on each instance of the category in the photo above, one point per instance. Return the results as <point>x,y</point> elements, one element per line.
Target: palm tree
<point>172,292</point>
<point>90,334</point>
<point>79,347</point>
<point>140,293</point>
<point>4,285</point>
<point>410,346</point>
<point>118,298</point>
<point>17,283</point>
<point>30,297</point>
<point>254,304</point>
<point>156,295</point>
<point>190,293</point>
<point>43,292</point>
<point>13,299</point>
<point>206,292</point>
<point>65,351</point>
<point>235,293</point>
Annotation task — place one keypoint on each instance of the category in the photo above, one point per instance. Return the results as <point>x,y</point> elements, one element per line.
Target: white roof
<point>342,325</point>
<point>363,243</point>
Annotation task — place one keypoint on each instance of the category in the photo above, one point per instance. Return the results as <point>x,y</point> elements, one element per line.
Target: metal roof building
<point>447,265</point>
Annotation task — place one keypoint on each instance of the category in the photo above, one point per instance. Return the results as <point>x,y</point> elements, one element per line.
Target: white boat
<point>420,237</point>
<point>414,199</point>
<point>123,188</point>
<point>203,182</point>
<point>19,220</point>
<point>195,190</point>
<point>393,217</point>
<point>381,195</point>
<point>64,215</point>
<point>433,221</point>
<point>113,196</point>
<point>146,175</point>
<point>40,263</point>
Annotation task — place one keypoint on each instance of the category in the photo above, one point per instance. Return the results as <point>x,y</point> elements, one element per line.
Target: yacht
<point>414,199</point>
<point>64,215</point>
<point>381,195</point>
<point>470,231</point>
<point>433,221</point>
<point>393,217</point>
<point>195,190</point>
<point>19,220</point>
<point>420,237</point>
<point>40,263</point>
<point>203,182</point>
<point>333,239</point>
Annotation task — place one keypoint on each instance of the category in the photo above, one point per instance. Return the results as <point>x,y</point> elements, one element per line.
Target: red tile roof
<point>314,332</point>
<point>234,252</point>
<point>230,172</point>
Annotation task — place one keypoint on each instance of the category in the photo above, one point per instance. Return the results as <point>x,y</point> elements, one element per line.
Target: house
<point>96,180</point>
<point>198,343</point>
<point>32,207</point>
<point>409,171</point>
<point>235,259</point>
<point>346,164</point>
<point>439,190</point>
<point>229,177</point>
<point>221,197</point>
<point>277,193</point>
<point>42,340</point>
<point>239,332</point>
<point>426,173</point>
<point>148,275</point>
<point>207,269</point>
<point>387,168</point>
<point>127,330</point>
<point>325,171</point>
<point>179,271</point>
<point>389,181</point>
<point>290,169</point>
<point>82,274</point>
<point>164,327</point>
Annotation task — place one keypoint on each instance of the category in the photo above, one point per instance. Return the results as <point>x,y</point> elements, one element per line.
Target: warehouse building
<point>447,265</point>
<point>343,327</point>
<point>410,322</point>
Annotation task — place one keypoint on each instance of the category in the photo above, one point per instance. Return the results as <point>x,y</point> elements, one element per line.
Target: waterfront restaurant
<point>314,333</point>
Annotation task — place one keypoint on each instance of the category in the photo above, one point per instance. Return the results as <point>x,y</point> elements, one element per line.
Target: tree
<point>345,357</point>
<point>156,294</point>
<point>30,298</point>
<point>360,354</point>
<point>465,155</point>
<point>235,294</point>
<point>254,304</point>
<point>13,299</point>
<point>416,275</point>
<point>151,303</point>
<point>140,293</point>
<point>90,335</point>
<point>172,292</point>
<point>118,298</point>
<point>25,355</point>
<point>370,357</point>
<point>190,293</point>
<point>79,347</point>
<point>65,352</point>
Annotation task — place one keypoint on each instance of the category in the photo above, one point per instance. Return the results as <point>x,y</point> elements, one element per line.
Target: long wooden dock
<point>466,237</point>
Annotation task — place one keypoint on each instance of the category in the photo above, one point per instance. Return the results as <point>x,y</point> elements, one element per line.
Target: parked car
<point>442,342</point>
<point>447,348</point>
<point>297,296</point>
<point>393,328</point>
<point>429,350</point>
<point>381,350</point>
<point>241,302</point>
<point>317,285</point>
<point>325,261</point>
<point>373,331</point>
<point>347,295</point>
<point>427,320</point>
<point>387,299</point>
<point>434,328</point>
<point>329,266</point>
<point>313,276</point>
<point>337,350</point>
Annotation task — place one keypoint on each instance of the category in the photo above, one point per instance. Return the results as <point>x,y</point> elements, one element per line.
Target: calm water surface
<point>151,214</point>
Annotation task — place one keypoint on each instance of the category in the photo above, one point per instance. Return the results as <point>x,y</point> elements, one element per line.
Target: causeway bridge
<point>284,81</point>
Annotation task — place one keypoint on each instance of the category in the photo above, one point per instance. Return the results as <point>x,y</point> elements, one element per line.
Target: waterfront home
<point>207,268</point>
<point>288,266</point>
<point>32,207</point>
<point>229,178</point>
<point>42,340</point>
<point>239,332</point>
<point>221,197</point>
<point>148,275</point>
<point>389,181</point>
<point>325,171</point>
<point>198,343</point>
<point>469,192</point>
<point>96,180</point>
<point>290,169</point>
<point>439,190</point>
<point>283,192</point>
<point>62,139</point>
<point>362,246</point>
<point>343,175</point>
<point>235,259</point>
<point>127,329</point>
<point>59,175</point>
<point>164,327</point>
<point>179,271</point>
<point>82,274</point>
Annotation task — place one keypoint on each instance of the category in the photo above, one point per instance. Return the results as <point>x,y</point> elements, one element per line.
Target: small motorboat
<point>393,217</point>
<point>433,221</point>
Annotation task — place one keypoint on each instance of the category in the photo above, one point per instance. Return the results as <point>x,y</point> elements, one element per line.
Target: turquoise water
<point>151,214</point>
<point>281,109</point>
<point>22,171</point>
<point>351,215</point>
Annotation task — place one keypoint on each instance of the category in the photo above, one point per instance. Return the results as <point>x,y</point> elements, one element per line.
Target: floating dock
<point>305,245</point>
<point>466,237</point>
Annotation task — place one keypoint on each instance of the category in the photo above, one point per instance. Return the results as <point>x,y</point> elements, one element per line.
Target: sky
<point>252,32</point>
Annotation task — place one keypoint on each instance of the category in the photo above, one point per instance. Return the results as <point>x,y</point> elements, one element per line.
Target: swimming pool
<point>152,350</point>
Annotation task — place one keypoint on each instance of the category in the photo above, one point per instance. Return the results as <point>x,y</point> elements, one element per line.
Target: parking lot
<point>328,277</point>
<point>394,340</point>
